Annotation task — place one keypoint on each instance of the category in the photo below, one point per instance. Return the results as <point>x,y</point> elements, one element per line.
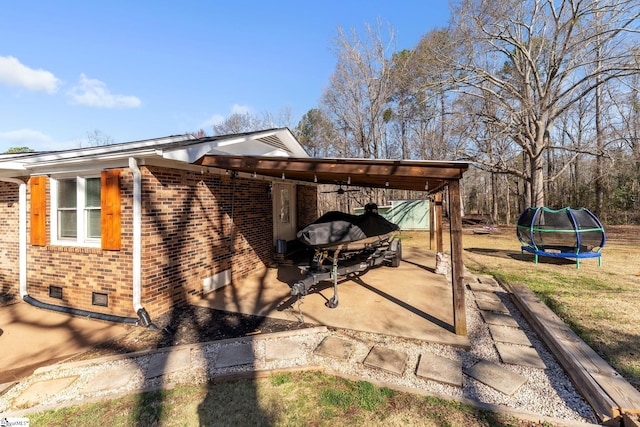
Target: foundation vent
<point>216,281</point>
<point>55,292</point>
<point>99,299</point>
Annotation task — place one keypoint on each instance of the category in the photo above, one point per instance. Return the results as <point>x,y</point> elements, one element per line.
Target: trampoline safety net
<point>567,232</point>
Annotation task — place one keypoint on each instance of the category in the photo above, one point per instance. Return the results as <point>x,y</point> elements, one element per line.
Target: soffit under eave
<point>403,175</point>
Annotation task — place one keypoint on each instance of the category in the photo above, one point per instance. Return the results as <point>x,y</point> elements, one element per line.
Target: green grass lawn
<point>298,399</point>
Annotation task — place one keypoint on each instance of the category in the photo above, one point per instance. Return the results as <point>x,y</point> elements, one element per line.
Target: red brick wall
<point>186,232</point>
<point>9,274</point>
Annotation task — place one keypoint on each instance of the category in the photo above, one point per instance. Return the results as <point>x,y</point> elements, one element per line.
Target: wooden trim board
<point>609,394</point>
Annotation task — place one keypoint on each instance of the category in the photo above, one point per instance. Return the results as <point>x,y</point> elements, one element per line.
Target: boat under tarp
<point>337,228</point>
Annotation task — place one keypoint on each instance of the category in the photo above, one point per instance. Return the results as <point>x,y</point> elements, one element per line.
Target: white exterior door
<point>284,211</point>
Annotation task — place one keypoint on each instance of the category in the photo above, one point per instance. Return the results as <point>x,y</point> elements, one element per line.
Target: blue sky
<point>144,69</point>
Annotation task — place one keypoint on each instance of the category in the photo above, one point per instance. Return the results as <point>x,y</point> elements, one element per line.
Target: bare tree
<point>96,138</point>
<point>359,90</point>
<point>535,59</point>
<point>200,133</point>
<point>238,123</point>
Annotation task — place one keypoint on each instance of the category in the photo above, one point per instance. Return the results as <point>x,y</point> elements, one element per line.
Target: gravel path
<point>547,393</point>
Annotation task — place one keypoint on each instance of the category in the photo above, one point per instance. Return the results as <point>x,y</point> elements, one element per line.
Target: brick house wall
<point>9,206</point>
<point>186,237</point>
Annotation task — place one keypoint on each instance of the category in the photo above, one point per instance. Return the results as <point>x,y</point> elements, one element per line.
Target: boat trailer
<point>348,259</point>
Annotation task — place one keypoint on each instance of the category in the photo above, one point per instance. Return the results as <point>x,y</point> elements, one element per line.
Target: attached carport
<point>418,175</point>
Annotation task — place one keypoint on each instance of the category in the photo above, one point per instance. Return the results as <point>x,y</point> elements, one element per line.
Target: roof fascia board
<point>159,147</point>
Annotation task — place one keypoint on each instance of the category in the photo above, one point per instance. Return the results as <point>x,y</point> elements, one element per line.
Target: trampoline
<point>561,233</point>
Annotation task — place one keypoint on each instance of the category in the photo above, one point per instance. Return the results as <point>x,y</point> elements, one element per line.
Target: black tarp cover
<point>338,227</point>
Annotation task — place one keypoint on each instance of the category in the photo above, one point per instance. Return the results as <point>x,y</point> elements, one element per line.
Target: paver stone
<point>386,359</point>
<point>497,377</point>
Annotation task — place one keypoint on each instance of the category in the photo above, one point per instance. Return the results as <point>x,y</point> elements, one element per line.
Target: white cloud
<point>94,93</point>
<point>217,119</point>
<point>14,73</point>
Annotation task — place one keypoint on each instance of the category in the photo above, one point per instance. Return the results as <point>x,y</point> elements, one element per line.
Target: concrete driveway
<point>31,337</point>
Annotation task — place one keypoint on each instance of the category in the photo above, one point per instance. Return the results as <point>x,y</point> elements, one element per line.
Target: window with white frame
<point>75,210</point>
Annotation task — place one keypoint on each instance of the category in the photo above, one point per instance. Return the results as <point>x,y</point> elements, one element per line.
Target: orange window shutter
<point>38,188</point>
<point>110,209</point>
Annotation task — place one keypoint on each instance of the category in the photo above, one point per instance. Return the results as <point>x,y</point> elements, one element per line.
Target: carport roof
<point>419,175</point>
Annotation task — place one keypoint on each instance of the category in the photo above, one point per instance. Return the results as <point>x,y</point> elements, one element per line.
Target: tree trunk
<point>537,182</point>
<point>508,211</point>
<point>494,199</point>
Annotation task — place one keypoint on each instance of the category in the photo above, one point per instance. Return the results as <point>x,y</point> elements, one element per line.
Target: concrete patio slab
<point>437,368</point>
<point>168,362</point>
<point>409,301</point>
<point>235,356</point>
<point>497,377</point>
<point>41,390</point>
<point>519,355</point>
<point>501,319</point>
<point>387,359</point>
<point>335,348</point>
<point>509,335</point>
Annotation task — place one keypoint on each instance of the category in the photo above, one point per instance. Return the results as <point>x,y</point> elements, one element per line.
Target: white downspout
<point>22,233</point>
<point>137,234</point>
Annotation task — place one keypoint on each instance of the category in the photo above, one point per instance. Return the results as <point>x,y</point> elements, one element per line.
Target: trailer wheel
<point>395,261</point>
